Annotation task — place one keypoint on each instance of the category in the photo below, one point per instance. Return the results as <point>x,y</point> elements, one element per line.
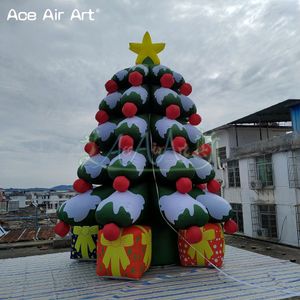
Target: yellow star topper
<point>147,51</point>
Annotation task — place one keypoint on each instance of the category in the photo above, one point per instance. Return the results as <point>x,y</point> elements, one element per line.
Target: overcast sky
<point>240,56</point>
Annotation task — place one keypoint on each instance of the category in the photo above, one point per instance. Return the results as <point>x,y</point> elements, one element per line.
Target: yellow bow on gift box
<point>115,253</point>
<point>85,240</point>
<point>202,249</point>
<point>146,241</point>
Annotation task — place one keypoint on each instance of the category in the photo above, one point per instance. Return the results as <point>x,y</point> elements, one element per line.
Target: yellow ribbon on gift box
<point>115,253</point>
<point>146,241</point>
<point>85,240</point>
<point>202,247</point>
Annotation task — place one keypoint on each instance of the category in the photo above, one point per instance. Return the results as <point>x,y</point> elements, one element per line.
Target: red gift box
<point>210,249</point>
<point>128,256</point>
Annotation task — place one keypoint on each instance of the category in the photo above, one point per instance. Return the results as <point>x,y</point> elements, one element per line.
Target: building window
<point>238,215</point>
<point>264,220</point>
<point>221,155</point>
<point>298,222</point>
<point>294,170</point>
<point>233,173</point>
<point>264,170</point>
<point>260,172</point>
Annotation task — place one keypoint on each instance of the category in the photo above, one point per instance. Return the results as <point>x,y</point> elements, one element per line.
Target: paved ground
<point>245,275</point>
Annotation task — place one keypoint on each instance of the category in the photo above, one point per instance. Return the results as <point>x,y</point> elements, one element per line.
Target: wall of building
<point>21,199</point>
<point>281,194</point>
<point>248,135</point>
<point>245,135</point>
<point>285,199</point>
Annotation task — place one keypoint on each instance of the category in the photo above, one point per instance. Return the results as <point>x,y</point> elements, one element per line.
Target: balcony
<point>286,142</point>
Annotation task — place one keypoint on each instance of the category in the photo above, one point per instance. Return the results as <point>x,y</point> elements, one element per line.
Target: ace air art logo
<point>52,15</point>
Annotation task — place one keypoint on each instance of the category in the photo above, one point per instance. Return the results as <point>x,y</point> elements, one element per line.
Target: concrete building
<point>7,204</point>
<point>257,159</point>
<point>56,199</point>
<point>49,199</point>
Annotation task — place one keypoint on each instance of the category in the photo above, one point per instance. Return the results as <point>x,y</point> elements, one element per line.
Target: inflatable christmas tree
<point>146,193</point>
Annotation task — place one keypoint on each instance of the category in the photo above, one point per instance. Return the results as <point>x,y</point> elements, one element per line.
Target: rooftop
<point>246,275</point>
<point>28,234</point>
<point>269,116</point>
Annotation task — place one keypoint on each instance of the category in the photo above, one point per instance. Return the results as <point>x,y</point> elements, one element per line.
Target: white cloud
<point>240,56</point>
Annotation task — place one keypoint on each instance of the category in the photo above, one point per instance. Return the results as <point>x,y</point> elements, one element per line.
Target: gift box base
<point>209,250</point>
<point>84,243</point>
<point>127,257</point>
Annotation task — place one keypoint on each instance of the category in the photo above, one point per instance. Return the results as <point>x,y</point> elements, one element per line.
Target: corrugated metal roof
<point>46,233</point>
<point>279,112</point>
<point>12,236</point>
<point>27,234</point>
<point>55,276</point>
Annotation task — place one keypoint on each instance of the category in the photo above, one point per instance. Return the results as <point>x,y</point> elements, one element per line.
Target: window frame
<point>237,209</point>
<point>261,212</point>
<point>297,211</point>
<point>234,171</point>
<point>221,155</point>
<point>264,170</point>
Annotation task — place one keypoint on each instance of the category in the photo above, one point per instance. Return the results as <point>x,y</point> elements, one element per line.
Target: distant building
<point>2,195</point>
<point>50,200</point>
<point>29,214</point>
<point>6,203</point>
<point>3,203</point>
<point>56,199</point>
<point>257,159</point>
<point>20,200</point>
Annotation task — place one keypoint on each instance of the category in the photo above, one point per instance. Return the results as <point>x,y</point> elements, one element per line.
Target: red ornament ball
<point>193,235</point>
<point>230,227</point>
<point>179,143</point>
<point>129,110</point>
<point>184,185</point>
<point>205,150</point>
<point>111,232</point>
<point>111,86</point>
<point>62,228</point>
<point>135,78</point>
<point>167,80</point>
<point>91,149</point>
<point>102,116</point>
<point>195,119</point>
<point>173,111</point>
<point>81,186</point>
<point>126,142</point>
<point>213,186</point>
<point>121,184</point>
<point>185,89</point>
<point>201,186</point>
